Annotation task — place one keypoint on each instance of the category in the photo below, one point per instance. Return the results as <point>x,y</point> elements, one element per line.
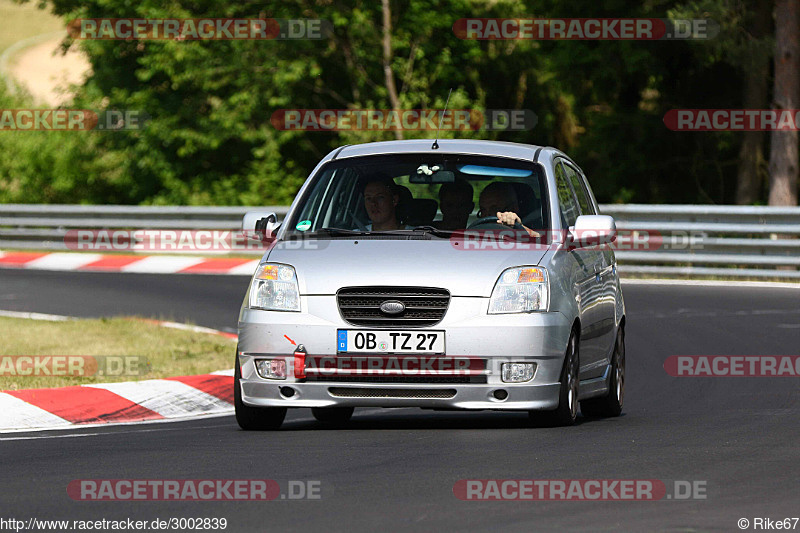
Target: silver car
<point>455,274</point>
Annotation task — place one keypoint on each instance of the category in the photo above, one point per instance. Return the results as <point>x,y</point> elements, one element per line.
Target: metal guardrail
<point>45,226</point>
<point>739,241</point>
<point>701,240</point>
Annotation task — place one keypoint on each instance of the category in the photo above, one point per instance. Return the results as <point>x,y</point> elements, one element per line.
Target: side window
<point>580,191</point>
<point>312,206</point>
<point>333,202</point>
<point>589,194</point>
<point>566,201</point>
<point>345,208</point>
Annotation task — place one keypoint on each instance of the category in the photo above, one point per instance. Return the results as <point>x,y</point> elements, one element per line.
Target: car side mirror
<point>593,230</point>
<point>260,225</point>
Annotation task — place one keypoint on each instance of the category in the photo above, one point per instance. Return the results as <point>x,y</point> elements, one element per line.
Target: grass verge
<point>169,352</point>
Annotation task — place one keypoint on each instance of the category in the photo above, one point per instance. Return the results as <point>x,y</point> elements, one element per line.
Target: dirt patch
<point>47,73</point>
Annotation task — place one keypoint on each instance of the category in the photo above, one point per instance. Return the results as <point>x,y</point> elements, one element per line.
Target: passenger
<point>455,201</point>
<point>500,199</point>
<point>380,200</point>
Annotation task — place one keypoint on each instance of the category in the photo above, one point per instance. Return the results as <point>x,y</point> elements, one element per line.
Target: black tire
<point>567,410</point>
<point>254,418</point>
<point>610,404</point>
<point>335,416</point>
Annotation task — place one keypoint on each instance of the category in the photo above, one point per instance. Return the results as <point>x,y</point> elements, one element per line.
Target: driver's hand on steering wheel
<point>509,218</point>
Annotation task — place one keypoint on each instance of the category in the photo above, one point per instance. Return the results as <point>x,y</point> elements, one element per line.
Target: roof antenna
<point>435,145</point>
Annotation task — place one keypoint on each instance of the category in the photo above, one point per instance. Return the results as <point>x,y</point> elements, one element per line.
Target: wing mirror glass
<point>260,225</point>
<point>593,230</point>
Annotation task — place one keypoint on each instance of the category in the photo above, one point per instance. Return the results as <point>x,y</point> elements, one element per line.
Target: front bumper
<point>540,338</point>
<point>449,396</point>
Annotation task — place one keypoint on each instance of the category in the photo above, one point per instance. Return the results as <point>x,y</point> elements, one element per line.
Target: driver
<point>500,198</point>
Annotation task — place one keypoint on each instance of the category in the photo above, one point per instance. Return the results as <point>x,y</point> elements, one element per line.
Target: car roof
<point>525,152</point>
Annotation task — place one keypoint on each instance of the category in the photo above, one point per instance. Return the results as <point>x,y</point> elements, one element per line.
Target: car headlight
<point>520,290</point>
<point>275,288</point>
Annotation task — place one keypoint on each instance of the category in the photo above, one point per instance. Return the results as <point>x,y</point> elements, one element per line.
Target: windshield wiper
<point>434,231</point>
<point>341,231</point>
<point>461,232</point>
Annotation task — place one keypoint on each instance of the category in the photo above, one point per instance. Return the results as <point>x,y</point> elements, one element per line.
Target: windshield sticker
<point>303,225</point>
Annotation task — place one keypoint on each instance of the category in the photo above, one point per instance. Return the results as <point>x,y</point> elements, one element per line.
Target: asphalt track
<point>395,470</point>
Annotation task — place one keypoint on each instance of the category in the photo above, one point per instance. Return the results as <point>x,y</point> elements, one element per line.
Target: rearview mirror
<point>260,225</point>
<point>432,175</point>
<point>593,230</point>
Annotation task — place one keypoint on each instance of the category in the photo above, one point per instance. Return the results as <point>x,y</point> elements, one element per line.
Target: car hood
<point>324,266</point>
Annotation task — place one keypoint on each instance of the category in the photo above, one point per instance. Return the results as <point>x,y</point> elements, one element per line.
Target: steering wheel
<point>487,221</point>
<point>361,226</point>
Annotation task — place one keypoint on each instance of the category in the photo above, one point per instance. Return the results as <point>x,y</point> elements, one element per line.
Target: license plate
<point>388,341</point>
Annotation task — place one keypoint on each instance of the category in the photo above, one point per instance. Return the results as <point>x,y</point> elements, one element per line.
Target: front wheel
<point>567,410</point>
<point>254,418</point>
<point>610,404</point>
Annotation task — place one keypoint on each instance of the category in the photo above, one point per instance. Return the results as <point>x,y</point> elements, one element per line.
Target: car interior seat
<point>530,206</point>
<point>403,209</point>
<point>422,211</point>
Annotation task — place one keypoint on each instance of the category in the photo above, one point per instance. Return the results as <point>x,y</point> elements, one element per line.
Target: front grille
<point>398,379</point>
<point>346,392</point>
<point>424,306</point>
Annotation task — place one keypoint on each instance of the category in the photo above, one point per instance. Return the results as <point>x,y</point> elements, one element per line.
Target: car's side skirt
<point>595,387</point>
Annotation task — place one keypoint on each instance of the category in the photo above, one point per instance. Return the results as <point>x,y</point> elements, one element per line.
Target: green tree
<point>210,139</point>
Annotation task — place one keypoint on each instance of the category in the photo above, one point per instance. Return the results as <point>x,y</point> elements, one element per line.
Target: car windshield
<point>438,194</point>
